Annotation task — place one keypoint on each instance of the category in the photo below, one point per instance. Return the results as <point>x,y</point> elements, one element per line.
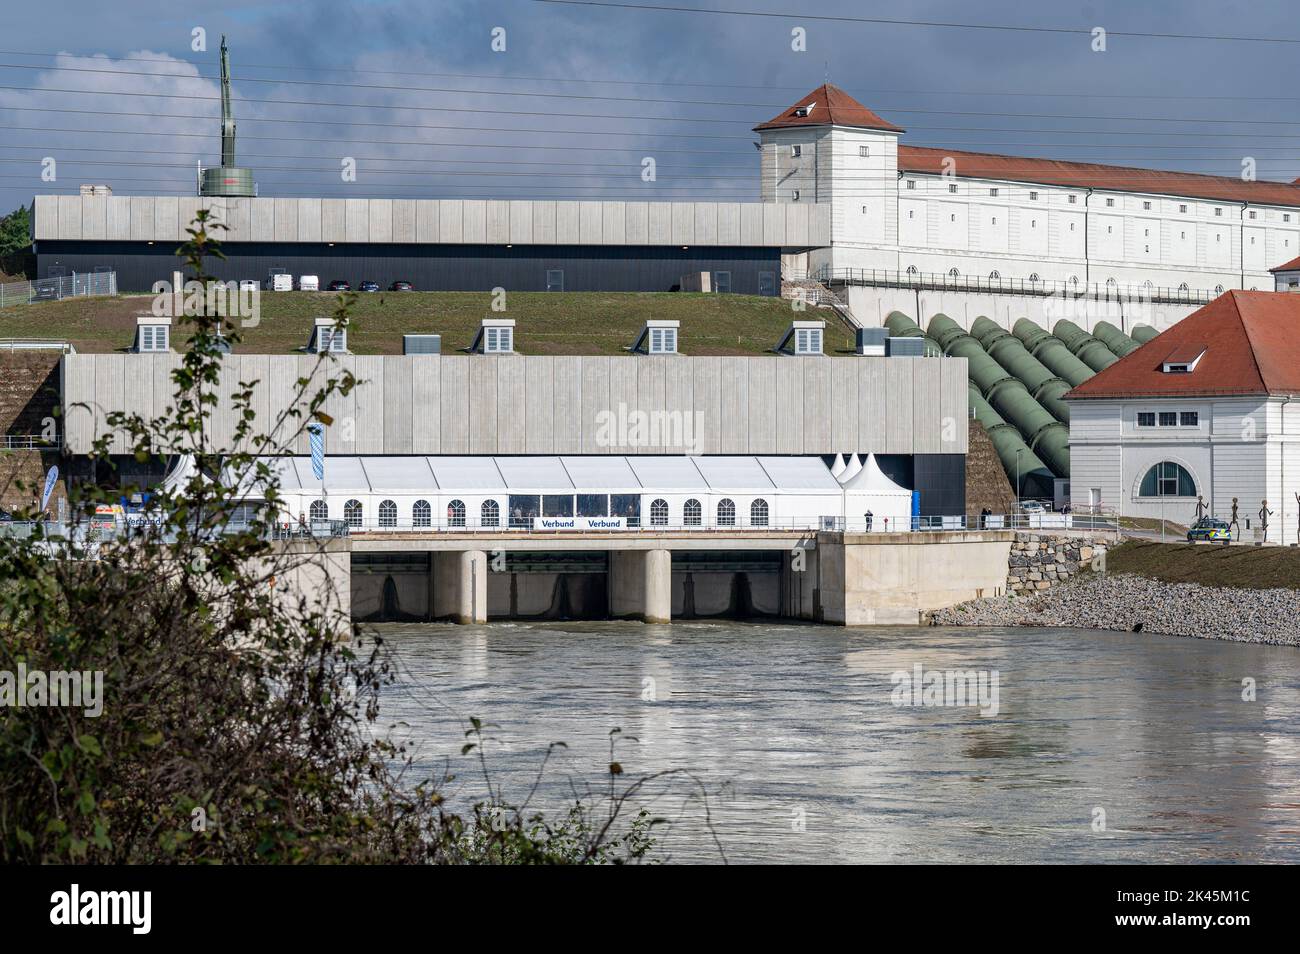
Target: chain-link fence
<point>54,289</point>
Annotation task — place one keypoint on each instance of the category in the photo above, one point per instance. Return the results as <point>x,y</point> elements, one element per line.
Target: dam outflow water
<point>1148,753</point>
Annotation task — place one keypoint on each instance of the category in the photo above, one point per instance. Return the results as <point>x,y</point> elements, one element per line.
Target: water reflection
<point>792,727</point>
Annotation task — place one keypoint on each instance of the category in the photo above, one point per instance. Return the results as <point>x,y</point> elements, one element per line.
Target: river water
<point>788,745</point>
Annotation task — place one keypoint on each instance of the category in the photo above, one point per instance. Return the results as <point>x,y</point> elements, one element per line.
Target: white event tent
<point>580,492</point>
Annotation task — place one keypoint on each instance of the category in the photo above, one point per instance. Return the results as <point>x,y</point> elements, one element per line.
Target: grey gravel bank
<point>1129,603</point>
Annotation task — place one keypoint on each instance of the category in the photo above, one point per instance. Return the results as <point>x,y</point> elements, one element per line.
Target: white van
<point>279,281</point>
<point>308,283</point>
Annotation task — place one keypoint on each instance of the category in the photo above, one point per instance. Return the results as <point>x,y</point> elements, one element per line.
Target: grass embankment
<point>1209,565</point>
<point>547,322</point>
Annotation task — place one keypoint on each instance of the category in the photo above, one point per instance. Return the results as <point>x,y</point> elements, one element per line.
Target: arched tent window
<point>1111,283</point>
<point>1218,289</point>
<point>1167,479</point>
<point>456,513</point>
<point>1182,287</point>
<point>489,514</point>
<point>659,513</point>
<point>995,275</point>
<point>1148,285</point>
<point>726,512</point>
<point>911,269</point>
<point>421,514</point>
<point>319,510</point>
<point>352,513</point>
<point>758,513</point>
<point>1074,279</point>
<point>692,513</point>
<point>387,513</point>
<point>953,273</point>
<point>1034,279</point>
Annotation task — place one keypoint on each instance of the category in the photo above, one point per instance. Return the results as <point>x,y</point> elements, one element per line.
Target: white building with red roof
<point>965,215</point>
<point>1208,412</point>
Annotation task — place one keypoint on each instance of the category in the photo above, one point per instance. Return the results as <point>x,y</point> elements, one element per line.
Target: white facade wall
<point>885,219</point>
<point>1239,449</point>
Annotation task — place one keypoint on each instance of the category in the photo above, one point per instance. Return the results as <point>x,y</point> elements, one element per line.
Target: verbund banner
<point>579,523</point>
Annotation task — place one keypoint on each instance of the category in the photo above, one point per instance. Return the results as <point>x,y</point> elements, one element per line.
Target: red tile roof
<point>1290,266</point>
<point>831,106</point>
<point>1084,175</point>
<point>1252,347</point>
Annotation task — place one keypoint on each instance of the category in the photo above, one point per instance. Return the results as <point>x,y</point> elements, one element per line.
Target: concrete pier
<point>459,585</point>
<point>640,585</point>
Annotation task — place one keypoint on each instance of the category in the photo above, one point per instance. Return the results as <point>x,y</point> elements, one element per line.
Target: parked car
<point>1210,529</point>
<point>1032,506</point>
<point>339,285</point>
<point>401,286</point>
<point>308,283</point>
<point>368,286</point>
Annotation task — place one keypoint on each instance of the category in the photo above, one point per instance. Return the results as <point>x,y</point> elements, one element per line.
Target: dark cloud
<point>961,88</point>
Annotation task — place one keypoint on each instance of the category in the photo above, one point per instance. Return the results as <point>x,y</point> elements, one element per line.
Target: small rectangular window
<point>1251,214</point>
<point>1168,418</point>
<point>794,196</point>
<point>1286,216</point>
<point>1072,199</point>
<point>796,151</point>
<point>1218,211</point>
<point>993,192</point>
<point>1189,418</point>
<point>864,151</point>
<point>1033,196</point>
<point>1146,206</point>
<point>1110,203</point>
<point>911,183</point>
<point>952,187</point>
<point>1146,419</point>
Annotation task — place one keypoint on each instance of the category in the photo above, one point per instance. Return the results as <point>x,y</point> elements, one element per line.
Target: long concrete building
<point>842,199</point>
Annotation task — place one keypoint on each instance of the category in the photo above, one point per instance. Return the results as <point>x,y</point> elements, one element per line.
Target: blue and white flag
<point>50,479</point>
<point>316,435</point>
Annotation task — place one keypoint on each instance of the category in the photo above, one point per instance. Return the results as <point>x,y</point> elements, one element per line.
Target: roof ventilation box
<point>152,335</point>
<point>495,336</point>
<point>326,337</point>
<point>905,347</point>
<point>871,341</point>
<point>421,344</point>
<point>659,336</point>
<point>803,337</point>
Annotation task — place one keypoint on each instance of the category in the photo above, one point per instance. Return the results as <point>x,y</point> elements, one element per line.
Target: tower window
<point>864,151</point>
<point>796,151</point>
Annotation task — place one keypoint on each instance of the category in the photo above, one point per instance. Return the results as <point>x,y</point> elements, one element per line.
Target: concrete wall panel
<point>333,220</point>
<point>538,409</point>
<point>521,222</point>
<point>263,213</point>
<point>285,227</point>
<point>637,218</point>
<point>498,222</point>
<point>475,221</point>
<point>381,220</point>
<point>545,223</point>
<point>426,220</point>
<point>356,220</point>
<point>451,220</point>
<point>567,223</point>
<point>404,220</point>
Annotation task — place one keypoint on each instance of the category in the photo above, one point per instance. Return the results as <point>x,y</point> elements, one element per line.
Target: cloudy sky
<point>416,95</point>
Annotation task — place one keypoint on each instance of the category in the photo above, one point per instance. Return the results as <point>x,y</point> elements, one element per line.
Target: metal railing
<point>12,442</point>
<point>54,289</point>
<point>931,281</point>
<point>36,344</point>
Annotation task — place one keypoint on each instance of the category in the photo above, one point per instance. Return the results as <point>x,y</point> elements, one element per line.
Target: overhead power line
<point>1272,121</point>
<point>607,81</point>
<point>938,24</point>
